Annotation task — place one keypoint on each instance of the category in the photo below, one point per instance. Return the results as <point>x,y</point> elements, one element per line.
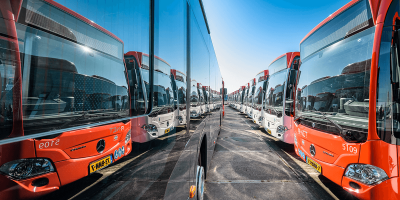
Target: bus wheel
<point>200,182</point>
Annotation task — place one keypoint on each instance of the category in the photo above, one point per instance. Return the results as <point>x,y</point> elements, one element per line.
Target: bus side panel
<point>382,155</point>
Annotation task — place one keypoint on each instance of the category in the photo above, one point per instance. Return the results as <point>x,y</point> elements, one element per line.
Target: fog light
<point>281,129</point>
<point>354,185</point>
<point>40,182</point>
<point>26,168</point>
<point>367,174</point>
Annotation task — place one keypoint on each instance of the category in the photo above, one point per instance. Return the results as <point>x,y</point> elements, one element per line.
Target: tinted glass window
<point>274,94</point>
<point>66,84</point>
<point>337,29</point>
<point>278,65</point>
<point>290,88</point>
<point>137,87</point>
<point>335,81</point>
<point>7,77</point>
<point>388,99</point>
<point>47,17</point>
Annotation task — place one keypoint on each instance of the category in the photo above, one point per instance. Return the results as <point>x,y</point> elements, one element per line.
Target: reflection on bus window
<point>66,84</point>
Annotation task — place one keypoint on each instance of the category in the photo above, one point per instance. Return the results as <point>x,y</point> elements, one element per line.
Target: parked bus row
<point>75,98</point>
<point>340,108</point>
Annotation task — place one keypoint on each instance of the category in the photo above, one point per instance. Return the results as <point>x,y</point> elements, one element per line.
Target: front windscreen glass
<point>274,94</point>
<point>73,85</point>
<point>251,93</point>
<point>259,90</point>
<point>181,88</point>
<point>163,101</point>
<point>334,81</point>
<point>246,96</point>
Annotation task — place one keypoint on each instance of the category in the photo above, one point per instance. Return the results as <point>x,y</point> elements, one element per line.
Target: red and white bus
<point>347,105</point>
<point>164,113</point>
<point>63,115</point>
<point>259,94</point>
<point>277,115</point>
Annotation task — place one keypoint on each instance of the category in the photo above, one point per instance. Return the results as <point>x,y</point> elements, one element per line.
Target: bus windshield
<point>181,94</point>
<point>334,80</point>
<point>274,93</point>
<point>75,85</point>
<point>259,90</point>
<point>251,95</point>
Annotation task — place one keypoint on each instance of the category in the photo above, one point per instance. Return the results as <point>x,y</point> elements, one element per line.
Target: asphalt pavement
<point>250,164</point>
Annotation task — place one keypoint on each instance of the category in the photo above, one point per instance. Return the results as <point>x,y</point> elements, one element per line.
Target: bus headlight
<point>150,128</point>
<point>26,168</point>
<point>281,129</point>
<point>128,136</point>
<point>367,174</point>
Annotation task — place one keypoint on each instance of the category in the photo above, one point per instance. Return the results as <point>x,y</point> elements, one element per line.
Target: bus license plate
<point>166,130</point>
<point>268,131</point>
<point>100,164</point>
<point>314,164</point>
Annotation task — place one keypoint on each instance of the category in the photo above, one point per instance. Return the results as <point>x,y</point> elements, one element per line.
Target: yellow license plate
<point>268,131</point>
<point>100,164</point>
<point>314,164</point>
<point>167,130</point>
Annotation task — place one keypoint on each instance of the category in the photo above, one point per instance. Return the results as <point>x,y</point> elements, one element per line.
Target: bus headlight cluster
<point>367,174</point>
<point>281,129</point>
<point>26,168</point>
<point>128,137</point>
<point>150,128</point>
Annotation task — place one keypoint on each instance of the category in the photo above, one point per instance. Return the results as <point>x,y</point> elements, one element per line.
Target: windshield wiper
<point>323,117</point>
<point>276,111</point>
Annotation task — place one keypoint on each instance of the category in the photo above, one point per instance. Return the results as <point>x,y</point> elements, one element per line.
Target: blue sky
<point>249,34</point>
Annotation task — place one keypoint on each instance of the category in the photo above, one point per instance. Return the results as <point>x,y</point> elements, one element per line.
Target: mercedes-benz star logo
<point>312,150</point>
<point>101,145</point>
<point>313,125</point>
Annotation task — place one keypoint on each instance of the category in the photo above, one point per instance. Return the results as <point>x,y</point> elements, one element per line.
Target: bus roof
<point>133,53</point>
<point>289,57</point>
<point>374,10</point>
<point>173,71</point>
<point>73,13</point>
